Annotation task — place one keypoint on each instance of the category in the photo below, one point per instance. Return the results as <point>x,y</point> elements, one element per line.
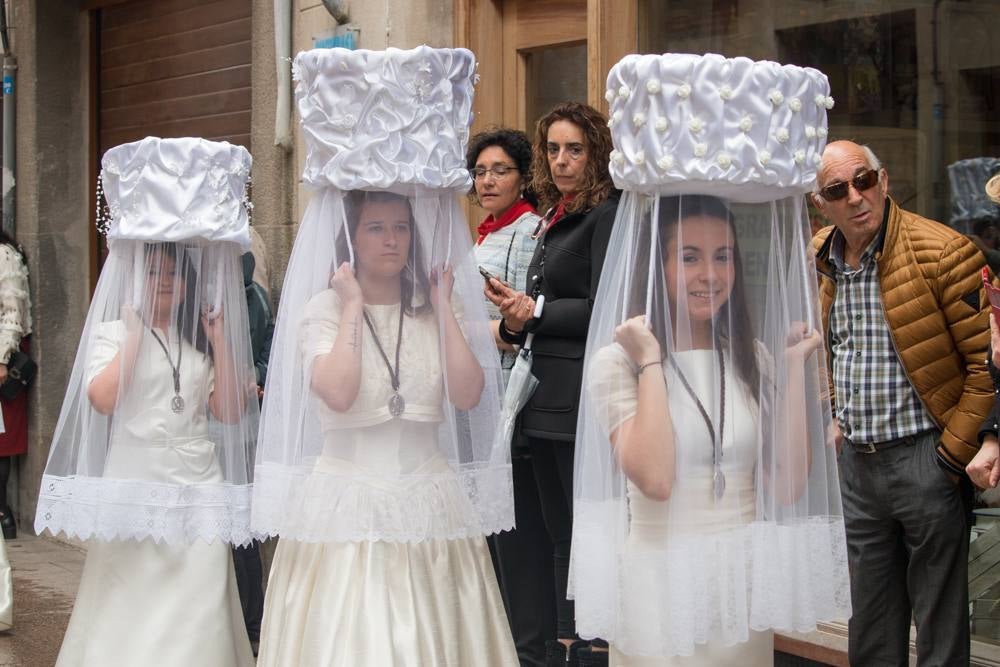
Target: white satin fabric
<point>689,124</point>
<point>390,574</point>
<point>697,576</point>
<point>421,602</point>
<point>132,456</point>
<point>162,471</point>
<point>148,603</point>
<point>177,190</point>
<point>380,477</point>
<point>142,603</point>
<point>385,120</point>
<point>371,604</point>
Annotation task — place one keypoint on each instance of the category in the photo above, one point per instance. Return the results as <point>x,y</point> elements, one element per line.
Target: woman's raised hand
<point>638,341</point>
<point>214,325</point>
<point>802,341</point>
<point>346,285</point>
<point>442,282</point>
<point>134,330</point>
<point>132,320</point>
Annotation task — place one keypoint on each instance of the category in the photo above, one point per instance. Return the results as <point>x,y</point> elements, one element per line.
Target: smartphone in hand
<point>487,276</point>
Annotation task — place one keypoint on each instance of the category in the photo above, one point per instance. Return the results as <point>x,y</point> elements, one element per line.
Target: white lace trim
<point>710,587</point>
<point>121,509</point>
<point>15,301</point>
<point>317,506</point>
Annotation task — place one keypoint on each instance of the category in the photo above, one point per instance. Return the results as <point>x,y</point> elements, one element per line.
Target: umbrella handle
<point>539,304</point>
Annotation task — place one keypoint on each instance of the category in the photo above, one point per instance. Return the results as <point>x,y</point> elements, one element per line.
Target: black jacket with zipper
<point>566,268</point>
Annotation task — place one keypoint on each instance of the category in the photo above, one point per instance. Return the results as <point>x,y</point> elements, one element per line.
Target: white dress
<point>142,603</point>
<point>689,547</point>
<point>373,602</point>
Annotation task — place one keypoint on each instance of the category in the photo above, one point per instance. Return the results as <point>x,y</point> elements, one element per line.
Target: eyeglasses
<point>499,171</point>
<point>861,182</point>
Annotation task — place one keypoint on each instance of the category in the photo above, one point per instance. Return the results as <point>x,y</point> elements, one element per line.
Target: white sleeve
<point>612,387</point>
<point>107,341</point>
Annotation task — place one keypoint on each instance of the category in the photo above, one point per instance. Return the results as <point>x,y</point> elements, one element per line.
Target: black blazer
<point>566,268</point>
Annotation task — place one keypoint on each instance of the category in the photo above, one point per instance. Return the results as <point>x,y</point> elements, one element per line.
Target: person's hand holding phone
<point>515,307</point>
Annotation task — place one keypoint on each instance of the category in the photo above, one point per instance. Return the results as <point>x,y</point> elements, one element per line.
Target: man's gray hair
<point>873,163</point>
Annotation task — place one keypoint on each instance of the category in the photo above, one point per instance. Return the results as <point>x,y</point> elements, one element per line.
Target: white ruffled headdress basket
<point>727,518</point>
<point>160,409</point>
<point>388,127</point>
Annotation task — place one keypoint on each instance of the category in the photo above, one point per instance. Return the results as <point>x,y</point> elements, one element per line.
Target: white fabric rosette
<point>732,127</point>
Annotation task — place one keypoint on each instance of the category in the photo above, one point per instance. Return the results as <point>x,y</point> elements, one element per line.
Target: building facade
<point>918,80</point>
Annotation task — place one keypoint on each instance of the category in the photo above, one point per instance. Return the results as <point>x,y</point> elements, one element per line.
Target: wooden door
<point>533,54</point>
<point>166,68</point>
<point>174,68</point>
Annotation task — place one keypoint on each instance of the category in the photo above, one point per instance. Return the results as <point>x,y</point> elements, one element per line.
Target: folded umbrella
<point>520,386</point>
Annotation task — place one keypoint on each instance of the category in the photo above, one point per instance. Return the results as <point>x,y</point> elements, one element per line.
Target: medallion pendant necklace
<point>396,403</point>
<point>718,478</point>
<point>177,402</point>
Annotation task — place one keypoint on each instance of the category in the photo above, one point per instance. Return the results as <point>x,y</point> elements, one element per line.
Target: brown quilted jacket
<point>934,302</point>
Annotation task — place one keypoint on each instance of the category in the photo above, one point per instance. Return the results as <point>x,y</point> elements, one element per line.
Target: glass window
<point>554,74</point>
<point>918,81</point>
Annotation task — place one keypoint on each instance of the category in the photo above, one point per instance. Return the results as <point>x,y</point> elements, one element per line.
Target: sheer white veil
<point>706,494</point>
<point>390,127</point>
<point>160,408</point>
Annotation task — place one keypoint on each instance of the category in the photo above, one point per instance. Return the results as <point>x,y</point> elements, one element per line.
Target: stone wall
<point>49,40</point>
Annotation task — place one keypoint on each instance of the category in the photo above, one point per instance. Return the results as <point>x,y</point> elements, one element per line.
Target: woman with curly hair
<point>570,176</point>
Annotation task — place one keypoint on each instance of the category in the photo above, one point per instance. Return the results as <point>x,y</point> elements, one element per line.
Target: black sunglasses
<point>861,182</point>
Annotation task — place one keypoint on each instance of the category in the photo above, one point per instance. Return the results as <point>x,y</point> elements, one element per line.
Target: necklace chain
<point>393,373</point>
<point>175,368</point>
<point>177,403</point>
<point>716,442</point>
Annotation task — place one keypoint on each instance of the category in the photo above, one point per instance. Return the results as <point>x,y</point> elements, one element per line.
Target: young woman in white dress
<point>663,405</point>
<point>135,469</point>
<point>378,458</point>
<point>707,511</point>
<point>371,343</point>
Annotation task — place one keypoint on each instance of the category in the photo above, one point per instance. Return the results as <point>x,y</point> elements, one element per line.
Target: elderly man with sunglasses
<point>906,326</point>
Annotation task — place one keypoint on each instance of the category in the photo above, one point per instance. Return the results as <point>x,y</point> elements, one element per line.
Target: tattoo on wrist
<point>355,334</point>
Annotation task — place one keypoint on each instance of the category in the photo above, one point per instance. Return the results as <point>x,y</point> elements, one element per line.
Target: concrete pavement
<point>46,575</point>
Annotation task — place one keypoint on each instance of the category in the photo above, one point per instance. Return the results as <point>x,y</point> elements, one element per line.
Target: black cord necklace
<point>177,402</point>
<point>396,403</point>
<point>718,478</point>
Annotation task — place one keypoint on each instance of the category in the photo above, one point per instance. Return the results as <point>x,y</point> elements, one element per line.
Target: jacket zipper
<point>906,373</point>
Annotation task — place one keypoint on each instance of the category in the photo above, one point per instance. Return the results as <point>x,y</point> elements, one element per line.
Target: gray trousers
<point>908,549</point>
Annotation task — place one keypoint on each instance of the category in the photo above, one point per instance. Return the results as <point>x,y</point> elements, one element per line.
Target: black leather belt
<point>872,447</point>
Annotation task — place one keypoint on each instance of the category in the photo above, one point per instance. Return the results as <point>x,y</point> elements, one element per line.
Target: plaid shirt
<point>875,400</point>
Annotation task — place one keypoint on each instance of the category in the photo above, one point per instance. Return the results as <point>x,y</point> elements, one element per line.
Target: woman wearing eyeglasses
<point>570,176</point>
<point>499,161</point>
